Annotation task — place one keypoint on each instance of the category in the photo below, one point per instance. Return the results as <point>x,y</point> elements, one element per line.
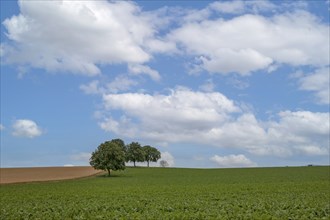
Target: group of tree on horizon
<point>112,155</point>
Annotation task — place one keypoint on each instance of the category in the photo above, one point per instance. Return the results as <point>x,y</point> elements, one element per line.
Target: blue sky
<point>210,84</point>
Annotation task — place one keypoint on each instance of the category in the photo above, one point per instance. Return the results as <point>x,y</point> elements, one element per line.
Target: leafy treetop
<point>108,156</point>
<point>134,153</point>
<point>151,154</point>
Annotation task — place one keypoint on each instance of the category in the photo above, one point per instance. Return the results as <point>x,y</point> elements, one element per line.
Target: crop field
<point>173,193</point>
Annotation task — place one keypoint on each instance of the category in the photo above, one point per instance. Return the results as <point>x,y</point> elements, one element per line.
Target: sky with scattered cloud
<point>209,83</point>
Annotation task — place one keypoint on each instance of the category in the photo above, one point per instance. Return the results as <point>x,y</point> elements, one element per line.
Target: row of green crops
<point>169,193</point>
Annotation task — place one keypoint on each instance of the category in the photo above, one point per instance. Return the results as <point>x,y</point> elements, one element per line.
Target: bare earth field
<point>21,175</point>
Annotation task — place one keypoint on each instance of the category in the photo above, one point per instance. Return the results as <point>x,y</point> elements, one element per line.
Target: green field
<point>173,193</point>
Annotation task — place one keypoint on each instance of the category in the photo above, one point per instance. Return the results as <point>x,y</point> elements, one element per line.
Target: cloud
<point>236,7</point>
<point>192,15</point>
<point>303,123</point>
<point>226,59</point>
<point>238,83</point>
<point>121,32</point>
<point>301,129</point>
<point>2,127</point>
<point>312,151</point>
<point>26,128</point>
<point>317,82</point>
<point>68,165</point>
<point>92,88</point>
<point>292,133</point>
<point>90,33</point>
<point>120,83</point>
<point>82,156</point>
<point>210,118</point>
<point>138,69</point>
<point>252,42</point>
<point>252,6</point>
<point>295,132</point>
<point>160,114</point>
<point>168,158</point>
<point>231,7</point>
<point>233,161</point>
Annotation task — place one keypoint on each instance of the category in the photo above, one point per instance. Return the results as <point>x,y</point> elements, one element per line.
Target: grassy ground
<point>164,193</point>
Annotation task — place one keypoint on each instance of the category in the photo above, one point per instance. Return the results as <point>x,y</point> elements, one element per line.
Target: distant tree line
<point>112,155</point>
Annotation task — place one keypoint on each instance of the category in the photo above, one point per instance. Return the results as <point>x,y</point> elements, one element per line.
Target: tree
<point>163,163</point>
<point>134,153</point>
<point>120,142</point>
<point>108,156</point>
<point>151,154</point>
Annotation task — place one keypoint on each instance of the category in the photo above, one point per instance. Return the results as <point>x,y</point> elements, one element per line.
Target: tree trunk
<point>134,163</point>
<point>148,163</point>
<point>108,172</point>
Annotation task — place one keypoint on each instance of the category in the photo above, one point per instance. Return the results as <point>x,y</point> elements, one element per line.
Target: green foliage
<point>156,193</point>
<point>134,153</point>
<point>119,142</point>
<point>109,155</point>
<point>151,154</point>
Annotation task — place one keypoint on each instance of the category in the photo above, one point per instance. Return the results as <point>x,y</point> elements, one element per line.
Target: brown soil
<point>21,175</point>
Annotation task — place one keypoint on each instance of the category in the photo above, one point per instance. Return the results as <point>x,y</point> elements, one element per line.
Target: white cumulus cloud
<point>318,83</point>
<point>168,157</point>
<point>232,160</point>
<point>242,61</point>
<point>77,36</point>
<point>298,131</point>
<point>92,88</point>
<point>251,42</point>
<point>230,7</point>
<point>162,115</point>
<point>120,83</point>
<point>94,33</point>
<point>2,127</point>
<point>138,69</point>
<point>26,128</point>
<point>210,118</point>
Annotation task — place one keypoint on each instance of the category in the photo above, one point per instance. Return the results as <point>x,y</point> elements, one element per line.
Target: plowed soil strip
<point>36,174</point>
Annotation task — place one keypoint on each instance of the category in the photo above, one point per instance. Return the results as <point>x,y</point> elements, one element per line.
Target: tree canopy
<point>134,153</point>
<point>150,154</point>
<point>112,155</point>
<point>120,142</point>
<point>109,155</point>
